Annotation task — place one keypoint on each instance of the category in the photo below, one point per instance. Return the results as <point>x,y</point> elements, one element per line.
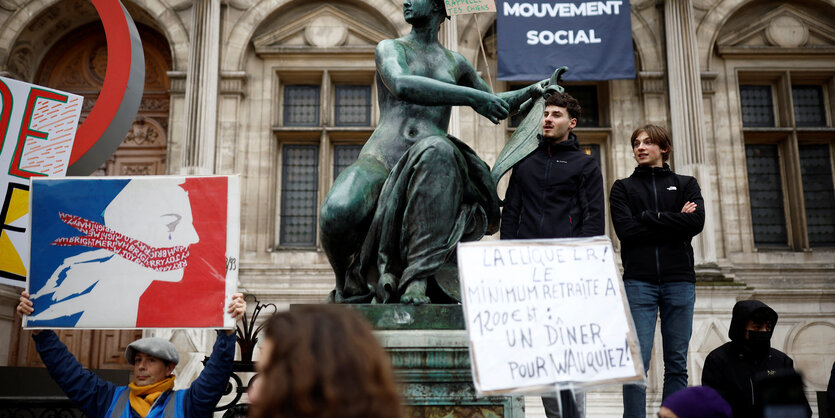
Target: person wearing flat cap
<point>151,394</point>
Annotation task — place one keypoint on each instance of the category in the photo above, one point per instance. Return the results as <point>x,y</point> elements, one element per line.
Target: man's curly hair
<point>567,101</point>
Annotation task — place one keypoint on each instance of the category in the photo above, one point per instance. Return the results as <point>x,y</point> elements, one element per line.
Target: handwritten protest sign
<point>143,252</point>
<point>544,313</point>
<point>37,131</point>
<point>461,7</point>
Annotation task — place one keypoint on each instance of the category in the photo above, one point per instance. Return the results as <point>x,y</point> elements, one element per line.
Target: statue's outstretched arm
<point>517,98</point>
<point>406,86</point>
<point>523,98</point>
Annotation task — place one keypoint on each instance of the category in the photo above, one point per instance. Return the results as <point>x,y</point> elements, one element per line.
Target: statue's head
<point>440,5</point>
<point>415,11</point>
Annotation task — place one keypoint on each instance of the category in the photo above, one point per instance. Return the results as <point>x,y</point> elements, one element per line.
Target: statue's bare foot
<point>415,293</point>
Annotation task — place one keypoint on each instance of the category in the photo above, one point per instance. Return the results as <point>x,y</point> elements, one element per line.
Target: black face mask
<point>759,342</point>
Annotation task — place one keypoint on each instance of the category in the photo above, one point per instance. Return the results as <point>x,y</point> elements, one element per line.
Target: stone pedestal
<point>430,354</point>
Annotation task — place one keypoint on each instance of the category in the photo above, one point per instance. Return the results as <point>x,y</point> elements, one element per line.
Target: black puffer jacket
<point>732,369</point>
<point>555,192</point>
<point>655,236</point>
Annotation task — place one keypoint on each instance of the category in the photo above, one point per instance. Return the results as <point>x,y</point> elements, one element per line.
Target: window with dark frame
<point>301,105</point>
<point>765,189</point>
<point>317,127</point>
<point>299,195</point>
<point>818,195</point>
<point>757,106</point>
<point>352,105</point>
<point>809,109</point>
<point>792,153</point>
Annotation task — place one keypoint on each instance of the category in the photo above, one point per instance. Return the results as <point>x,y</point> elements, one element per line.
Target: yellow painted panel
<point>9,259</point>
<point>18,206</point>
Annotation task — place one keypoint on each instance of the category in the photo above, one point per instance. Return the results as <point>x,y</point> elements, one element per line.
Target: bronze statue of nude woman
<point>393,218</point>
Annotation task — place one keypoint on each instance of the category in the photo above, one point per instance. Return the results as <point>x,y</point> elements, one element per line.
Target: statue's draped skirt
<point>439,193</point>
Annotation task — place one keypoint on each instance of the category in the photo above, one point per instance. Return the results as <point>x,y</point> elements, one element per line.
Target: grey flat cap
<point>157,347</point>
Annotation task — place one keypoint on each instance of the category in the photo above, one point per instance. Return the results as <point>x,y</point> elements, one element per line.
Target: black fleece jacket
<point>655,236</point>
<point>732,369</point>
<point>555,192</point>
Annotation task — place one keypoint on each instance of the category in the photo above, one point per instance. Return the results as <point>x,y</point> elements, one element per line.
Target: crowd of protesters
<point>322,361</point>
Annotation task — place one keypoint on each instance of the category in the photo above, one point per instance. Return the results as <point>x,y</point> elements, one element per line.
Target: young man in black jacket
<point>734,368</point>
<point>656,213</point>
<point>555,192</point>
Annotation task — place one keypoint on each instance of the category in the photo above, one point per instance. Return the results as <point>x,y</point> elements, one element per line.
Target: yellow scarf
<point>142,397</point>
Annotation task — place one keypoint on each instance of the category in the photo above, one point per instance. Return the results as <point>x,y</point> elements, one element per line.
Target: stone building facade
<point>282,93</point>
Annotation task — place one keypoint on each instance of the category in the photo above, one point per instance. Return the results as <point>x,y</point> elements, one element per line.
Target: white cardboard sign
<point>546,313</point>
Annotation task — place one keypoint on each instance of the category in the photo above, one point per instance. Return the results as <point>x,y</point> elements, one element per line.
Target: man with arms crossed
<point>153,361</point>
<point>555,192</point>
<point>656,213</point>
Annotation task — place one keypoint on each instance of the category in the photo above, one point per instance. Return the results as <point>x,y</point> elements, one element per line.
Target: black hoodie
<point>555,192</point>
<point>732,368</point>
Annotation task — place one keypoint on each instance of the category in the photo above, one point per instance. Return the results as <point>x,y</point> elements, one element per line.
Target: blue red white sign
<point>144,252</point>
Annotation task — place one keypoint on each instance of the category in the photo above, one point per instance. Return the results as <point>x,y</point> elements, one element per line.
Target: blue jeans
<point>675,301</point>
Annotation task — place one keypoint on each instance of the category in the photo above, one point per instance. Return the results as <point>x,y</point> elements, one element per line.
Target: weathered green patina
<point>391,221</point>
<point>524,139</point>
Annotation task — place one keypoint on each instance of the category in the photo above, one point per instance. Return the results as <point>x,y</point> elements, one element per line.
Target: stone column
<point>198,153</point>
<point>449,38</point>
<point>686,114</point>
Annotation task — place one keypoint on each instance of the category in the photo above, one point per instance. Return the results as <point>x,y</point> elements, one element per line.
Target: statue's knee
<point>338,216</point>
<point>440,151</point>
<point>330,216</point>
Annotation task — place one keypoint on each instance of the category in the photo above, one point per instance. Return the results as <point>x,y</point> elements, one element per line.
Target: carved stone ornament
<point>325,26</point>
<point>783,30</point>
<point>326,31</point>
<point>144,169</point>
<point>145,132</point>
<point>787,31</point>
<point>20,62</point>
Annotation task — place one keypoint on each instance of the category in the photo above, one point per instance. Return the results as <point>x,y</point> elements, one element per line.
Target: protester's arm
<point>399,80</point>
<point>712,376</point>
<point>627,226</point>
<point>205,392</point>
<point>92,394</point>
<point>511,210</point>
<point>592,201</point>
<point>688,224</point>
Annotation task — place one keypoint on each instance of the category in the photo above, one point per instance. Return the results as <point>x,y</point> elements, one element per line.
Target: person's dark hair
<point>657,135</point>
<point>762,317</point>
<point>567,101</point>
<point>325,363</point>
